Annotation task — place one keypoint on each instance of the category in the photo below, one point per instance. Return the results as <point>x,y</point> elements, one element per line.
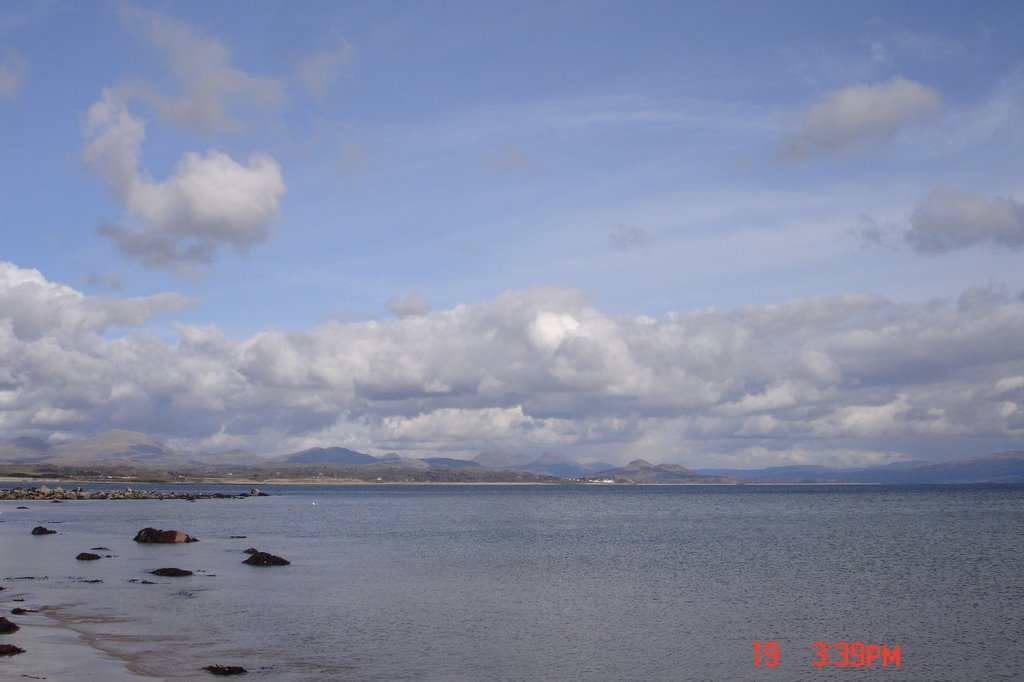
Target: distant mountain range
<point>120,447</point>
<point>115,447</point>
<point>1005,467</point>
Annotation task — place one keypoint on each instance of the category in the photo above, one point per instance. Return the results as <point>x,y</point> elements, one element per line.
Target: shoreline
<point>54,650</point>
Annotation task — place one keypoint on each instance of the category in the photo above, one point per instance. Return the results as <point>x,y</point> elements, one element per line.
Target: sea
<point>540,582</point>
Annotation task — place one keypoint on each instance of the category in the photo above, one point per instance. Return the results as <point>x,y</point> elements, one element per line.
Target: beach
<point>53,649</point>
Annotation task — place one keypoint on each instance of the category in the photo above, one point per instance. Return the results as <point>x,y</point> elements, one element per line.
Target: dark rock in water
<point>171,572</point>
<point>10,650</point>
<point>251,550</point>
<point>87,556</point>
<point>7,627</point>
<point>97,580</point>
<point>22,507</point>
<point>265,559</point>
<point>40,530</point>
<point>237,537</point>
<point>18,611</point>
<point>100,549</point>
<point>156,535</point>
<point>226,669</point>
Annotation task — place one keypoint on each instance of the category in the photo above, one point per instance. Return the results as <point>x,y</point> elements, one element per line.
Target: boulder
<point>157,535</point>
<point>10,650</point>
<point>87,556</point>
<point>40,530</point>
<point>7,627</point>
<point>225,669</point>
<point>265,559</point>
<point>171,572</point>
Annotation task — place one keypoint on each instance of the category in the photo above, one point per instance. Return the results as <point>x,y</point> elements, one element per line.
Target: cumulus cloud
<point>210,85</point>
<point>950,219</point>
<point>33,307</point>
<point>530,370</point>
<point>209,201</point>
<point>861,117</point>
<point>13,72</point>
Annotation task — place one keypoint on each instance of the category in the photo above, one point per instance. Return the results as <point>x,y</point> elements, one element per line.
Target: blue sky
<point>713,233</point>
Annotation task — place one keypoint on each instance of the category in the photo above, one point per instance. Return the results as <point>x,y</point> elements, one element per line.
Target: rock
<point>171,572</point>
<point>18,611</point>
<point>156,535</point>
<point>7,627</point>
<point>226,669</point>
<point>251,550</point>
<point>43,490</point>
<point>40,530</point>
<point>10,650</point>
<point>265,559</point>
<point>21,507</point>
<point>87,556</point>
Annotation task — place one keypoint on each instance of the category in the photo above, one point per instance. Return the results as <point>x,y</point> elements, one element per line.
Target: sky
<point>728,234</point>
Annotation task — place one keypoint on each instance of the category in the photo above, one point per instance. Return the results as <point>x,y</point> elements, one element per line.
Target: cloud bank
<point>532,370</point>
<point>861,117</point>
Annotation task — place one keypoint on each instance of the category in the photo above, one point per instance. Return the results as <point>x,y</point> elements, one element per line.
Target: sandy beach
<point>53,650</point>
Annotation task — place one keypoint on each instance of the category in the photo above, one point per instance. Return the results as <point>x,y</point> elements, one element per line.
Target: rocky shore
<point>59,494</point>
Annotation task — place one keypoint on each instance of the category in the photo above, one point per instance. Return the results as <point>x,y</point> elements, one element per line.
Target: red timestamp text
<point>839,654</point>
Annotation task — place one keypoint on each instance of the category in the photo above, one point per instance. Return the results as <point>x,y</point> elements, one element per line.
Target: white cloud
<point>861,117</point>
<point>211,86</point>
<point>13,72</point>
<point>35,307</point>
<point>528,370</point>
<point>210,201</point>
<point>950,219</point>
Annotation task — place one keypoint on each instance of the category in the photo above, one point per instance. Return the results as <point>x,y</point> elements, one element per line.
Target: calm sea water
<point>543,583</point>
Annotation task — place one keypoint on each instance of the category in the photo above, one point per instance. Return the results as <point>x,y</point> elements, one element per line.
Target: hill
<point>642,471</point>
<point>333,455</point>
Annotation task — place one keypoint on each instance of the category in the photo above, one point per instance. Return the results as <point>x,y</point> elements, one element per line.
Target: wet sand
<point>54,651</point>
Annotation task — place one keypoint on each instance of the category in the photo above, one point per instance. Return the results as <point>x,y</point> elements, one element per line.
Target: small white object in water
<point>314,504</point>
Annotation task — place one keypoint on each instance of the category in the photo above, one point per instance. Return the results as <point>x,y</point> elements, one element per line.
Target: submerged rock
<point>42,530</point>
<point>10,650</point>
<point>172,572</point>
<point>87,556</point>
<point>157,535</point>
<point>226,669</point>
<point>7,627</point>
<point>265,559</point>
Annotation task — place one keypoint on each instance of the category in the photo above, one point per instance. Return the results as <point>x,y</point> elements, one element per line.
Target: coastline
<point>56,651</point>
